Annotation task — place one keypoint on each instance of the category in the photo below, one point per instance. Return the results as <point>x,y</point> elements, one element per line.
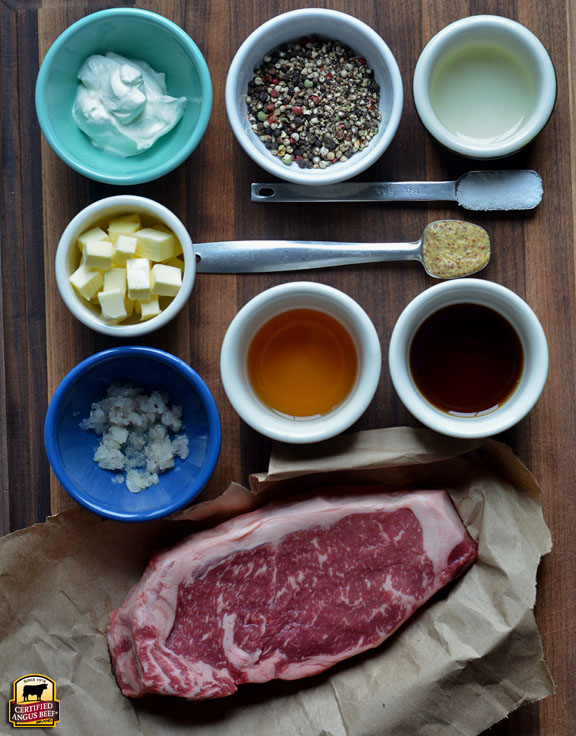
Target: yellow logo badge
<point>34,702</point>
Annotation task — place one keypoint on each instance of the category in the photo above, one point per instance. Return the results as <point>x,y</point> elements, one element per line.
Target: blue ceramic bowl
<point>71,449</point>
<point>137,34</point>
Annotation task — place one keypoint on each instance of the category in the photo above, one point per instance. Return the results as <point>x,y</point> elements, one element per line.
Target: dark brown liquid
<point>466,359</point>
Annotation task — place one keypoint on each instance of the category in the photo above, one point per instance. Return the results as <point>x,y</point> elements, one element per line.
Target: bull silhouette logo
<point>34,703</point>
<point>35,690</point>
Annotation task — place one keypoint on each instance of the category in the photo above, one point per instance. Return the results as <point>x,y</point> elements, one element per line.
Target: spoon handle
<point>256,256</point>
<point>381,191</point>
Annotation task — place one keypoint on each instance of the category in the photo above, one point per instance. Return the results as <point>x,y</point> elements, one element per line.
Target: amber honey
<point>466,359</point>
<point>302,363</point>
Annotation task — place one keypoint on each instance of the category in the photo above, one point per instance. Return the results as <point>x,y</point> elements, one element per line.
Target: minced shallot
<point>140,434</point>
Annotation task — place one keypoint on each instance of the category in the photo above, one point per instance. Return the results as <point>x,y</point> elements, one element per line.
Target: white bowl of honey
<point>468,358</point>
<point>301,362</point>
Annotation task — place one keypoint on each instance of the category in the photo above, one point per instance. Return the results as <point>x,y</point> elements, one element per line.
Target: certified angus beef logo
<point>34,702</point>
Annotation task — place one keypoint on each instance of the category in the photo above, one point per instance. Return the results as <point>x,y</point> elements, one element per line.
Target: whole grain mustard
<point>452,249</point>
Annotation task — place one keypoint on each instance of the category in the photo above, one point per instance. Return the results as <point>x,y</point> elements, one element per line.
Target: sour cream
<point>122,105</point>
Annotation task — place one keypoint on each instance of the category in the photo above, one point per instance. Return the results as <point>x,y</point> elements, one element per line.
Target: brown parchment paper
<point>463,662</point>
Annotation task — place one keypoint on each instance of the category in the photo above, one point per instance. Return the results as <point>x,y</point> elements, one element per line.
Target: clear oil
<point>482,92</point>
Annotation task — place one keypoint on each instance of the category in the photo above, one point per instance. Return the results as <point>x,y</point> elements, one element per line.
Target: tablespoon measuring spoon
<point>448,249</point>
<point>476,190</point>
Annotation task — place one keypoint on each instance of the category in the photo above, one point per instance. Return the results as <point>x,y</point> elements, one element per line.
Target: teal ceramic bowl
<point>140,35</point>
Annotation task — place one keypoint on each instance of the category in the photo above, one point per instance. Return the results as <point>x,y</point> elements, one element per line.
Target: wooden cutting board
<point>533,254</point>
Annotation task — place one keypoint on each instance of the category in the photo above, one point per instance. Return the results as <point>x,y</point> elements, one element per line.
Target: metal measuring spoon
<point>476,190</point>
<point>448,249</point>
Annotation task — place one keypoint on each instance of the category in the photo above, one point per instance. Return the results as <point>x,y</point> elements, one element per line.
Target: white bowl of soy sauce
<point>468,358</point>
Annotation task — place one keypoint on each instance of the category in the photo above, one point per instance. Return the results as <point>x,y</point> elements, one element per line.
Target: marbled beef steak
<point>285,591</point>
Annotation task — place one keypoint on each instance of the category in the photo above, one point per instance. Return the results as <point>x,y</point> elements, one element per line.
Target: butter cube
<point>98,254</point>
<point>156,245</point>
<point>165,280</point>
<point>115,280</point>
<point>129,306</point>
<point>112,305</point>
<point>95,234</point>
<point>87,281</point>
<point>149,308</point>
<point>176,262</point>
<point>125,225</point>
<point>125,248</point>
<point>138,279</point>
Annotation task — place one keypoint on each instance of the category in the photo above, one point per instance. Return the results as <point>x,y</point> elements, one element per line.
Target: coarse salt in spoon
<point>476,190</point>
<point>448,249</point>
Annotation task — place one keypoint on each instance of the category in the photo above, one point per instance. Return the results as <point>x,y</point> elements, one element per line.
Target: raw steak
<point>284,592</point>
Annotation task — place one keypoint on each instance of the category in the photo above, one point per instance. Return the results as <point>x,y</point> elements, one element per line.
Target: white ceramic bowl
<point>264,306</point>
<point>507,37</point>
<point>68,259</point>
<point>518,314</point>
<point>329,24</point>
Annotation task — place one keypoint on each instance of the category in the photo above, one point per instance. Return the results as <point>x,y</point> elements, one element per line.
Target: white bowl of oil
<point>301,362</point>
<point>484,86</point>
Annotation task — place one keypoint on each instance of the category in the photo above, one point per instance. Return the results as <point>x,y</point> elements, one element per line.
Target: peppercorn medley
<point>314,102</point>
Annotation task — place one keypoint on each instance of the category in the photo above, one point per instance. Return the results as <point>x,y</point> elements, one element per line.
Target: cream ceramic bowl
<point>268,304</point>
<point>329,24</point>
<point>528,58</point>
<point>522,319</point>
<point>68,259</point>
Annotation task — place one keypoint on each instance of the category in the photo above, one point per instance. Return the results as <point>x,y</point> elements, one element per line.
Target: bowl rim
<point>111,354</point>
<point>71,300</point>
<point>334,174</point>
<point>182,153</point>
<point>313,429</point>
<point>449,35</point>
<point>475,291</point>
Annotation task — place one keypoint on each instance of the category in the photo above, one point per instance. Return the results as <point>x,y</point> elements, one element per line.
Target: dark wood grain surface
<point>533,253</point>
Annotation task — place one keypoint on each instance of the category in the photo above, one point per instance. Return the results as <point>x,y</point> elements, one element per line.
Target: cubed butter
<point>129,306</point>
<point>125,249</point>
<point>149,309</point>
<point>125,225</point>
<point>129,270</point>
<point>165,280</point>
<point>115,279</point>
<point>156,245</point>
<point>98,254</point>
<point>138,279</point>
<point>87,281</point>
<point>112,305</point>
<point>96,233</point>
<point>177,262</point>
